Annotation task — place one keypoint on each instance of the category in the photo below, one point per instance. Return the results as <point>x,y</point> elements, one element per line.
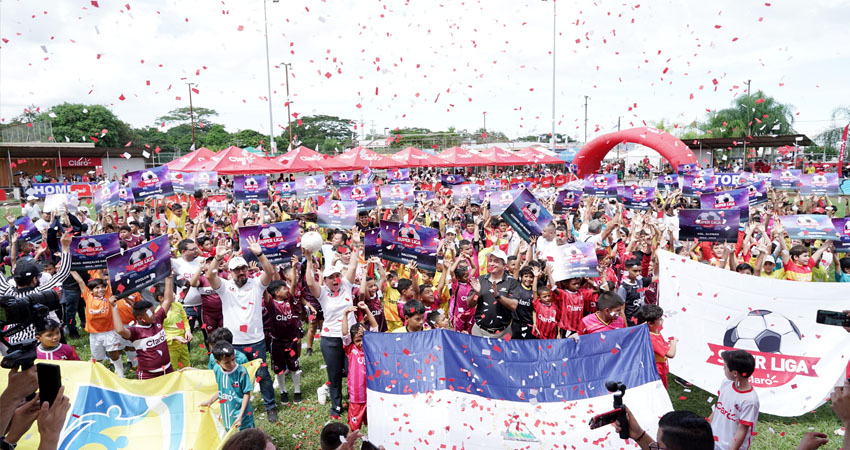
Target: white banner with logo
<point>710,310</point>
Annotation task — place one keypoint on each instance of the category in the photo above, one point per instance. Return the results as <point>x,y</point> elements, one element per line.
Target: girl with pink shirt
<point>353,345</point>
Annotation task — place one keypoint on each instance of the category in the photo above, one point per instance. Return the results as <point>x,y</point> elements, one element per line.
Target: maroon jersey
<point>376,305</point>
<point>150,344</point>
<point>62,351</point>
<point>281,319</point>
<point>210,301</point>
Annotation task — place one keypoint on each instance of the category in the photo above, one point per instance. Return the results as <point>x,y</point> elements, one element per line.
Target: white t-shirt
<point>334,307</point>
<point>547,249</point>
<point>42,225</point>
<point>734,407</point>
<point>32,211</point>
<point>185,270</point>
<point>242,309</point>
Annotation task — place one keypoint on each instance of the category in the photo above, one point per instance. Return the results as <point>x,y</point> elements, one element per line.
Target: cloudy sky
<point>434,64</point>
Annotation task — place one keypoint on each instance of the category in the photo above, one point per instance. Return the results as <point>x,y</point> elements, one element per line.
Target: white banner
<point>710,310</point>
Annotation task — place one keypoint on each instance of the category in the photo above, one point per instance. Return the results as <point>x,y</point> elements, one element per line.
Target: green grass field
<point>300,423</point>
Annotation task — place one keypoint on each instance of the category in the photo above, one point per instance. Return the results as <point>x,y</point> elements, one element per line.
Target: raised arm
<point>351,272</point>
<point>212,272</point>
<point>168,297</point>
<point>80,282</point>
<point>310,277</point>
<point>116,318</point>
<point>268,269</point>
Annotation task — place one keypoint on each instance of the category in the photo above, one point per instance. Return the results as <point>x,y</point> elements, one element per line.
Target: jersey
<point>176,322</point>
<point>60,352</point>
<point>593,324</point>
<point>240,359</point>
<point>796,272</point>
<point>232,388</point>
<point>356,371</point>
<point>149,342</point>
<point>524,312</point>
<point>376,305</point>
<point>547,319</point>
<point>98,313</point>
<point>570,308</point>
<point>281,320</point>
<point>734,407</point>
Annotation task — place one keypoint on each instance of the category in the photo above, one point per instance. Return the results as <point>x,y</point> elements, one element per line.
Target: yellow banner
<point>112,413</point>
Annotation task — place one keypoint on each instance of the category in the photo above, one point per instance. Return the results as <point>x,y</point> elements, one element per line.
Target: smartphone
<point>49,381</point>
<point>366,445</point>
<point>605,418</point>
<point>833,318</point>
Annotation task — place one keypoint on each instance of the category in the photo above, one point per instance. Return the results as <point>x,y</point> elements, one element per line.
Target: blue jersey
<point>232,387</point>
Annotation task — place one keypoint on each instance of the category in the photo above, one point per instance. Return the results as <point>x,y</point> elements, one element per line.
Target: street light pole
<point>192,113</point>
<point>585,118</point>
<point>485,126</point>
<point>554,35</point>
<point>269,77</point>
<point>288,66</point>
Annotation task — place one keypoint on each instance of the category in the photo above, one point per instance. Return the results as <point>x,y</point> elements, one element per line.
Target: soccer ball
<point>251,184</point>
<point>140,255</point>
<point>601,181</point>
<point>270,233</point>
<point>203,178</point>
<point>310,182</point>
<point>818,180</point>
<point>88,243</point>
<point>847,227</point>
<point>337,209</point>
<point>786,175</point>
<point>668,179</point>
<point>806,222</point>
<point>408,233</point>
<point>573,254</point>
<point>724,198</point>
<point>311,241</point>
<point>343,176</point>
<point>698,182</point>
<point>752,191</point>
<point>506,197</point>
<point>708,218</point>
<point>764,331</point>
<point>149,177</point>
<point>639,194</point>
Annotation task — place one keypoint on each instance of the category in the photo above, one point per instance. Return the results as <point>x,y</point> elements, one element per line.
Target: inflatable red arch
<point>589,158</point>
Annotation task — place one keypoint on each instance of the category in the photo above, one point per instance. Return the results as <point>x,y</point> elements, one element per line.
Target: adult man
<point>186,266</point>
<point>31,209</point>
<point>677,430</point>
<point>547,245</point>
<point>496,298</point>
<point>241,305</point>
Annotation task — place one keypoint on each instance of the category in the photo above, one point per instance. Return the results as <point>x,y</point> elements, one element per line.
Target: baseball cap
<point>451,230</point>
<point>236,263</point>
<point>770,259</point>
<point>32,197</point>
<point>25,271</point>
<point>500,254</point>
<point>330,270</point>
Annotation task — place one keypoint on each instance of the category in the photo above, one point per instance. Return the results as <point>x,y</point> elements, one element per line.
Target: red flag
<point>841,149</point>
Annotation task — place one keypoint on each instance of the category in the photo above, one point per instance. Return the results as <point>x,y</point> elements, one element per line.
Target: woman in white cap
<point>334,293</point>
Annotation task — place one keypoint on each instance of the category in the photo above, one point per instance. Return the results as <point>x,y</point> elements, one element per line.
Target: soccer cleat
<point>284,398</point>
<point>297,397</point>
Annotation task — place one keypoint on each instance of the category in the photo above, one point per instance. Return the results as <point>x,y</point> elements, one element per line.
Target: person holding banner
<point>241,305</point>
<point>494,299</point>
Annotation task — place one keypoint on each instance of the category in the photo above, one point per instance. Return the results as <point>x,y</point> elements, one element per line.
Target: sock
<point>118,366</point>
<point>296,381</point>
<point>131,356</point>
<point>281,382</point>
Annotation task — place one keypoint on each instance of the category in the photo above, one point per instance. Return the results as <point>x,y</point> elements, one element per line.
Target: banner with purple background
<point>637,197</point>
<point>307,186</point>
<point>527,216</point>
<point>182,182</point>
<point>423,196</point>
<point>372,243</point>
<point>601,185</point>
<point>405,243</point>
<point>363,194</point>
<point>139,267</point>
<point>574,261</point>
<point>337,214</point>
<point>708,225</point>
<point>668,183</point>
<point>343,178</point>
<point>248,188</point>
<point>757,192</point>
<point>451,179</point>
<point>279,241</point>
<point>735,199</point>
<point>393,194</point>
<point>463,191</point>
<point>107,196</point>
<point>285,189</point>
<point>206,180</point>
<point>697,184</point>
<point>150,183</point>
<point>809,226</point>
<point>568,200</point>
<point>124,195</point>
<point>687,169</point>
<point>395,176</point>
<point>788,179</point>
<point>842,226</point>
<point>25,228</point>
<point>819,184</point>
<point>91,252</point>
<point>499,200</point>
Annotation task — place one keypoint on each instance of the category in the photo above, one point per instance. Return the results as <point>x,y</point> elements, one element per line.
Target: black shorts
<point>521,330</point>
<point>285,355</point>
<point>315,304</point>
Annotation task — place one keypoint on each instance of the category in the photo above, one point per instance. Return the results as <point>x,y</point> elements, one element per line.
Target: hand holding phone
<point>49,381</point>
<point>841,319</point>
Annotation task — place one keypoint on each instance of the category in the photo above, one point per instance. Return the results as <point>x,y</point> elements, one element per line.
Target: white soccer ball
<point>311,241</point>
<point>764,331</point>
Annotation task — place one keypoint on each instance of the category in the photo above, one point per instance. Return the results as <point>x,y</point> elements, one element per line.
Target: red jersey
<point>547,319</point>
<point>571,307</point>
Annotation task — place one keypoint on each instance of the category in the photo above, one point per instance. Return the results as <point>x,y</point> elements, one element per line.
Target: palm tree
<point>751,115</point>
<point>831,137</point>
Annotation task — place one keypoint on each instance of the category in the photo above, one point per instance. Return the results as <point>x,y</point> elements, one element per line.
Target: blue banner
<point>182,182</point>
<point>343,178</point>
<point>150,183</point>
<point>734,199</point>
<point>107,196</point>
<point>393,194</point>
<point>337,214</point>
<point>527,216</point>
<point>787,179</point>
<point>279,241</point>
<point>568,200</point>
<point>91,252</point>
<point>395,176</point>
<point>363,194</point>
<point>405,243</point>
<point>709,225</point>
<point>250,188</point>
<point>842,227</point>
<point>637,197</point>
<point>810,226</point>
<point>601,185</point>
<point>310,186</point>
<point>139,267</point>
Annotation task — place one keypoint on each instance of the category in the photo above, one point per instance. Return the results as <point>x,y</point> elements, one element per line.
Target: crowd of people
<point>488,282</point>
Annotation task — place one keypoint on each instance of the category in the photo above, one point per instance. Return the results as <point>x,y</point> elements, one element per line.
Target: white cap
<point>330,270</point>
<point>451,230</point>
<point>769,259</point>
<point>236,262</point>
<point>500,254</point>
<point>32,197</point>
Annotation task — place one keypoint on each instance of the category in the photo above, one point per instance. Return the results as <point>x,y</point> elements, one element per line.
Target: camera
<point>617,414</point>
<point>19,314</point>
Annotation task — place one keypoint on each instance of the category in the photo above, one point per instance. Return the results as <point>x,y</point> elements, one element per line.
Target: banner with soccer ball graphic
<point>711,310</point>
<point>139,267</point>
<point>279,241</point>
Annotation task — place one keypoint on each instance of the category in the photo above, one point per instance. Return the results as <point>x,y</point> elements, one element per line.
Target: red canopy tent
<point>358,158</point>
<point>302,159</point>
<point>458,157</point>
<point>200,156</point>
<point>413,157</point>
<point>534,156</point>
<point>502,157</point>
<point>235,161</point>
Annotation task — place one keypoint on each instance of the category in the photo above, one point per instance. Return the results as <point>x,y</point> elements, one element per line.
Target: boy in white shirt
<point>734,418</point>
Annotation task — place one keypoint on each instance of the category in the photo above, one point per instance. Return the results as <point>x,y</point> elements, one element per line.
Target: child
<point>223,334</point>
<point>572,304</point>
<point>460,314</point>
<point>652,315</point>
<point>797,262</point>
<point>736,413</point>
<point>178,332</point>
<point>437,319</point>
<point>49,346</point>
<point>370,295</point>
<point>103,341</point>
<point>391,297</point>
<point>607,318</point>
<point>353,345</point>
<point>148,334</point>
<point>632,289</point>
<point>522,324</point>
<point>545,314</point>
<point>407,293</point>
<point>234,388</point>
<point>414,317</point>
<point>280,312</point>
<point>429,297</point>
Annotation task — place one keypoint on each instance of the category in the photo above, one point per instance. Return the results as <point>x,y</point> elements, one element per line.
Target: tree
<point>831,137</point>
<point>751,115</point>
<point>78,122</point>
<point>183,115</point>
<point>216,138</point>
<point>326,132</point>
<point>153,137</point>
<point>251,138</point>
